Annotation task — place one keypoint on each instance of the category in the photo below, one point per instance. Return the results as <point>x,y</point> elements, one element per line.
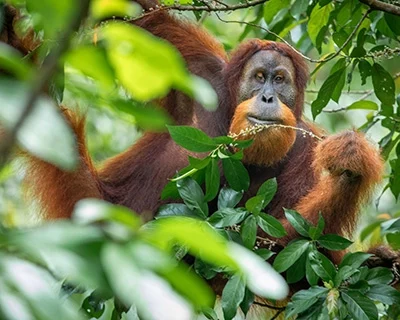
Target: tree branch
<point>382,6</point>
<point>218,6</point>
<point>43,76</point>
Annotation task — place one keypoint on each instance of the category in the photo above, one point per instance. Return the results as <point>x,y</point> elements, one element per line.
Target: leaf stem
<point>187,174</point>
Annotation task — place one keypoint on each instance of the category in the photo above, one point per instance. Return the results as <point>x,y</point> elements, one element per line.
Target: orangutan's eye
<point>278,79</point>
<point>260,77</point>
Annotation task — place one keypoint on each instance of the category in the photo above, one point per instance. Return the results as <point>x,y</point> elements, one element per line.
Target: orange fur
<point>347,168</point>
<point>270,145</point>
<point>57,191</point>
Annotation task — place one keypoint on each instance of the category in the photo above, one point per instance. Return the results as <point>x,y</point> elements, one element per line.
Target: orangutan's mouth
<point>257,120</point>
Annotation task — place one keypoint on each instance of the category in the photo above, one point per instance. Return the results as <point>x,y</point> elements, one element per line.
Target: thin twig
<point>277,314</point>
<point>367,93</point>
<point>253,130</point>
<point>350,37</point>
<point>335,110</point>
<point>345,92</point>
<point>382,6</point>
<point>266,305</point>
<point>40,81</point>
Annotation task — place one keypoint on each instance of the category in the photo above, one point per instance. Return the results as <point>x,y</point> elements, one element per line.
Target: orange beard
<point>270,145</point>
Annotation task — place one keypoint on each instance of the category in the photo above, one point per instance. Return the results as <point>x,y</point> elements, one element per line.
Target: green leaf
<point>315,232</point>
<point>45,132</point>
<point>360,307</point>
<point>243,143</point>
<point>369,229</point>
<point>88,211</point>
<point>357,280</point>
<point>379,275</point>
<point>247,301</point>
<point>8,297</point>
<point>268,190</point>
<point>92,62</point>
<point>227,217</point>
<point>384,28</point>
<point>298,8</point>
<point>185,282</point>
<point>236,174</point>
<point>101,9</point>
<point>232,296</point>
<point>170,191</point>
<point>301,225</point>
<point>52,16</point>
<point>209,313</point>
<point>354,260</point>
<point>205,270</point>
<point>326,91</point>
<point>390,226</point>
<point>198,236</point>
<point>384,293</point>
<point>258,275</point>
<point>322,266</point>
<point>255,204</point>
<point>199,163</point>
<point>297,271</point>
<point>37,287</point>
<point>364,105</point>
<point>223,140</point>
<point>192,139</point>
<point>337,92</point>
<point>93,306</point>
<point>175,209</point>
<point>12,61</point>
<point>264,253</point>
<point>228,198</point>
<point>272,7</point>
<point>201,90</point>
<point>311,276</point>
<point>319,17</point>
<point>393,22</point>
<point>394,240</point>
<point>147,117</point>
<point>271,225</point>
<point>384,86</point>
<point>343,274</point>
<point>340,38</point>
<point>395,176</point>
<point>248,231</point>
<point>193,196</point>
<point>212,180</point>
<point>365,70</point>
<point>358,283</point>
<point>334,242</point>
<point>141,287</point>
<point>304,299</point>
<point>288,256</point>
<point>143,65</point>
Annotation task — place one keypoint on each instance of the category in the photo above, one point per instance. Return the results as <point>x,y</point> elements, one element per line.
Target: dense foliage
<point>106,263</point>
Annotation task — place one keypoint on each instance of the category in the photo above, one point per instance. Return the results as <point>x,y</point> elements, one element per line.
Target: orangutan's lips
<point>256,120</point>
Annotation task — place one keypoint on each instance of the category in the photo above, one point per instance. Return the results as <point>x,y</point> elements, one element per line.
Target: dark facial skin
<point>268,76</point>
